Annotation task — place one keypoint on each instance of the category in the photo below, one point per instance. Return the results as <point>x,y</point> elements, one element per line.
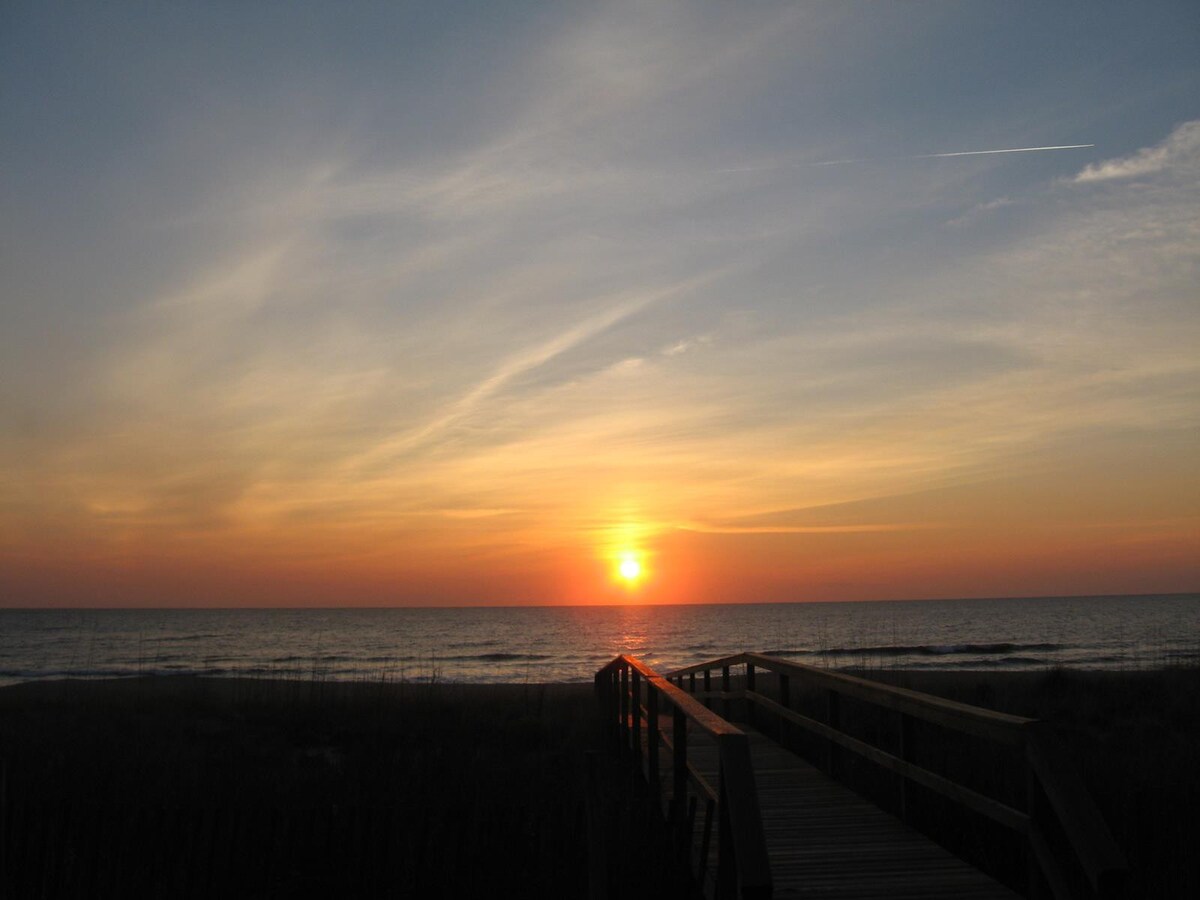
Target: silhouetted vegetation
<point>207,788</point>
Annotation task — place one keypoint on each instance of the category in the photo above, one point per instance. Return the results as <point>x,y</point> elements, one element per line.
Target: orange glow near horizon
<point>606,334</point>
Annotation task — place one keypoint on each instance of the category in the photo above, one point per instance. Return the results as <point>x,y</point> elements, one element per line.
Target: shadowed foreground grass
<point>187,787</point>
<point>228,788</point>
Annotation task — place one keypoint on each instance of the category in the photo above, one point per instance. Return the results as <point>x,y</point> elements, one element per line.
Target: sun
<point>630,569</point>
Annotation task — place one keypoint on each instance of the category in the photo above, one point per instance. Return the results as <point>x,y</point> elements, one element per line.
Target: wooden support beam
<point>653,739</point>
<point>635,703</point>
<point>744,818</point>
<point>1102,860</point>
<point>679,766</point>
<point>725,705</point>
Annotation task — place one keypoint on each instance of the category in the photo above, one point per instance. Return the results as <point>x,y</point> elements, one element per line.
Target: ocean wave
<point>494,657</point>
<point>471,645</point>
<point>68,673</point>
<point>1009,662</point>
<point>995,649</point>
<point>173,638</point>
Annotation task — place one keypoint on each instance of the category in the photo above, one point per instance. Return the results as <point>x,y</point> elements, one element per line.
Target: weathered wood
<point>623,721</point>
<point>653,741</point>
<point>702,716</point>
<point>706,719</point>
<point>679,746</point>
<point>1033,865</point>
<point>727,874</point>
<point>710,808</point>
<point>881,865</point>
<point>718,695</point>
<point>739,794</point>
<point>616,703</point>
<point>726,705</point>
<point>1048,865</point>
<point>993,809</point>
<point>1103,862</point>
<point>736,659</point>
<point>694,776</point>
<point>825,841</point>
<point>906,750</point>
<point>750,687</point>
<point>833,720</point>
<point>986,723</point>
<point>635,697</point>
<point>598,833</point>
<point>742,855</point>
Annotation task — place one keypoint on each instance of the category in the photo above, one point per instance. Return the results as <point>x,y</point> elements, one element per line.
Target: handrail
<point>743,868</point>
<point>1090,842</point>
<point>985,723</point>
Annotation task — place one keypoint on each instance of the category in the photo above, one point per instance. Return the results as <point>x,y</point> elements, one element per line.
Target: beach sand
<point>246,787</point>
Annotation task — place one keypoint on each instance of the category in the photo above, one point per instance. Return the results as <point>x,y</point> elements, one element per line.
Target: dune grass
<point>209,787</point>
<point>203,787</point>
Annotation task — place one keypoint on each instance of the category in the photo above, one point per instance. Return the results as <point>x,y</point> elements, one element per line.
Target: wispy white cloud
<point>864,528</point>
<point>520,363</point>
<point>981,209</point>
<point>557,308</point>
<point>1181,148</point>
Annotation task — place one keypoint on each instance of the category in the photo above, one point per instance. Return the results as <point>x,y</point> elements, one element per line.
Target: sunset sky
<point>450,303</point>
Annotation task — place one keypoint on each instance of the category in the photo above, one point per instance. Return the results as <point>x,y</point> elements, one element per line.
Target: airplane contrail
<point>1008,150</point>
<point>843,162</point>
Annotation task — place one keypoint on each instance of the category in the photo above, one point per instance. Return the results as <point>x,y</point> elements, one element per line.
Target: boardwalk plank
<point>825,841</point>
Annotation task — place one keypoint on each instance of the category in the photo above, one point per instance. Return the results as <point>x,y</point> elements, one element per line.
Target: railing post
<point>679,772</point>
<point>749,687</point>
<point>1035,889</point>
<point>635,708</point>
<point>614,705</point>
<point>707,688</point>
<point>601,698</point>
<point>833,720</point>
<point>652,739</point>
<point>785,700</point>
<point>906,755</point>
<point>743,868</point>
<point>604,698</point>
<point>691,682</point>
<point>624,710</point>
<point>725,690</point>
<point>726,857</point>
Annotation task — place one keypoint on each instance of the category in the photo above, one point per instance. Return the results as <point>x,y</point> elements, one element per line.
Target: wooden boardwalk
<point>823,840</point>
<point>757,821</point>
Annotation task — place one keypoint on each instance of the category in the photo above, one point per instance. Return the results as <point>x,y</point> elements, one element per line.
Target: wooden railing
<point>1056,802</point>
<point>648,714</point>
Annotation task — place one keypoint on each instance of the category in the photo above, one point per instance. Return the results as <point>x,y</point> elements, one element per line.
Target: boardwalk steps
<point>756,820</point>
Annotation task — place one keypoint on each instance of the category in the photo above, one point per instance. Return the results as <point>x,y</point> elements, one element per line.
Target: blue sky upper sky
<point>389,285</point>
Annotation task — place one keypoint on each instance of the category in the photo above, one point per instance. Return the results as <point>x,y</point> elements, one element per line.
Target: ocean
<point>566,644</point>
